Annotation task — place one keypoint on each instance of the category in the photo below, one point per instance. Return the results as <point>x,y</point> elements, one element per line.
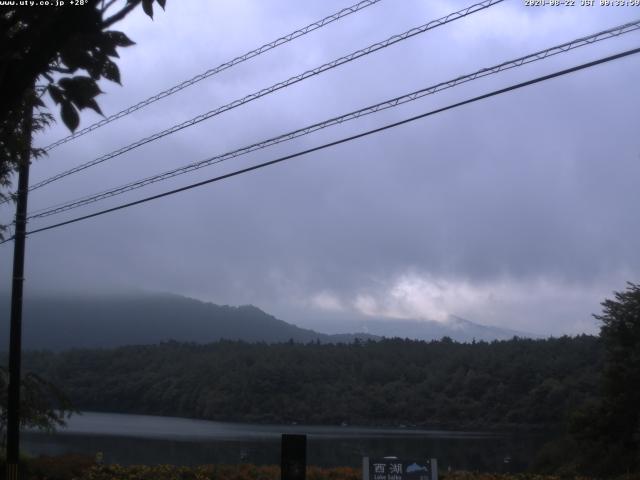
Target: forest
<point>519,383</point>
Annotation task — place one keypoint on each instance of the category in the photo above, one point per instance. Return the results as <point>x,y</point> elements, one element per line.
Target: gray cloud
<point>518,211</point>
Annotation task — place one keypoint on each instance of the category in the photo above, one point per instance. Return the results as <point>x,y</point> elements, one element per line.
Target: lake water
<point>142,439</point>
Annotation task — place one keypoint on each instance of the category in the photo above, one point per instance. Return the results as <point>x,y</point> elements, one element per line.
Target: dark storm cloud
<point>516,211</point>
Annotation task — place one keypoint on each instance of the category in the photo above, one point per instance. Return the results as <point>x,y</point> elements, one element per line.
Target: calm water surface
<point>143,439</point>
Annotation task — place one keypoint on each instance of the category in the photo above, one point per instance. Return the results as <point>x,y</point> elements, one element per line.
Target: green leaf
<point>75,57</point>
<point>120,39</point>
<point>162,3</point>
<point>111,72</point>
<point>147,6</point>
<point>93,105</point>
<point>70,116</point>
<point>56,94</point>
<point>108,46</point>
<point>79,87</point>
<point>94,69</point>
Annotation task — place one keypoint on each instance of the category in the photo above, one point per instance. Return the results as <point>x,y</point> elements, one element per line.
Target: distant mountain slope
<point>58,323</point>
<point>455,328</point>
<point>105,321</point>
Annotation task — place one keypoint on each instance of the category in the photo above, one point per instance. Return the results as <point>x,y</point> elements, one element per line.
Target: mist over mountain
<point>91,321</point>
<point>456,328</point>
<point>59,322</point>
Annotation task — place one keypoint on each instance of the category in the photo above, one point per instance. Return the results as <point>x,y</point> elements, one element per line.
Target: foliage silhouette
<point>57,51</point>
<point>42,405</point>
<point>606,430</point>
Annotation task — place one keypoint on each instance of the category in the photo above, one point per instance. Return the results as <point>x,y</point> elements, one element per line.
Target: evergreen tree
<point>607,429</point>
<point>620,332</point>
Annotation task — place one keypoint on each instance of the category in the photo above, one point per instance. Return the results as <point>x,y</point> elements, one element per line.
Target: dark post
<point>15,336</point>
<point>293,463</point>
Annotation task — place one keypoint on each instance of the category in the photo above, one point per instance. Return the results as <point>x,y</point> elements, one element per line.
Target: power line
<point>278,86</point>
<point>540,55</point>
<point>224,66</point>
<point>343,140</point>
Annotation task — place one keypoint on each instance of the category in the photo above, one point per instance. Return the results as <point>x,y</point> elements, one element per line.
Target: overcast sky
<point>518,211</point>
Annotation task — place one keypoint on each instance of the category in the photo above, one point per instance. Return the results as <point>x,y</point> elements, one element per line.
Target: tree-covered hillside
<point>107,321</point>
<point>391,382</point>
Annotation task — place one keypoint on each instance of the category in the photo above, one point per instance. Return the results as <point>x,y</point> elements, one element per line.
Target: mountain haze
<point>61,322</point>
<point>456,328</point>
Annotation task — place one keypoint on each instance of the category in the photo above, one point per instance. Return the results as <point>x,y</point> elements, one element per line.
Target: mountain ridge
<point>60,322</point>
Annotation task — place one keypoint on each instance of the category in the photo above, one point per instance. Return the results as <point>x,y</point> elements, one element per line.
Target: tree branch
<point>106,7</point>
<point>61,70</point>
<point>116,17</point>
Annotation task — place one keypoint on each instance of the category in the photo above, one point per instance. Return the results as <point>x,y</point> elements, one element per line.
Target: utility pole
<point>15,336</point>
